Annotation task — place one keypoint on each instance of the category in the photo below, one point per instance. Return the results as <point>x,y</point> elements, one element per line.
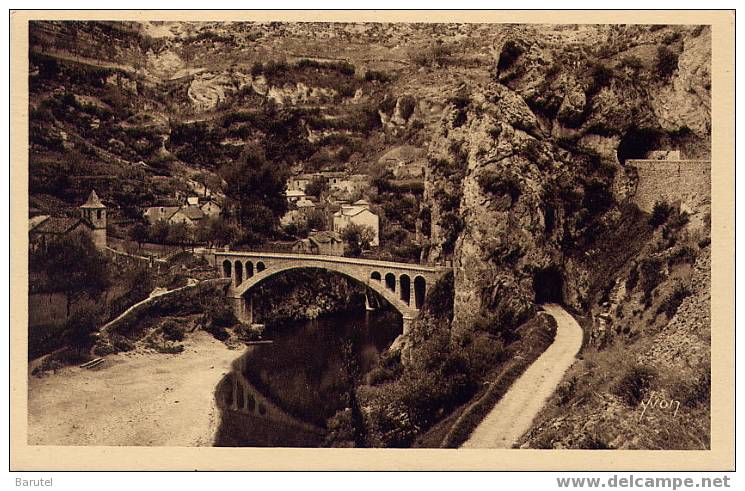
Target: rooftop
<point>55,225</point>
<point>93,201</point>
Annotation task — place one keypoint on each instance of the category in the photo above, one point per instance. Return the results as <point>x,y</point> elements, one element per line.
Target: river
<point>282,394</point>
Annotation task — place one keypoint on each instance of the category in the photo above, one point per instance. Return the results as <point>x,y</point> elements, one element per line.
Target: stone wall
<point>683,182</point>
<point>47,309</point>
<point>186,297</point>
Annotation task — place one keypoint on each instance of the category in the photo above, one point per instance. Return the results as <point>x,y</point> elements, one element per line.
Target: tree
<point>257,186</point>
<point>317,220</point>
<point>139,233</point>
<point>358,238</point>
<point>179,234</point>
<point>76,267</point>
<point>316,187</point>
<point>216,231</point>
<point>82,324</point>
<point>158,231</point>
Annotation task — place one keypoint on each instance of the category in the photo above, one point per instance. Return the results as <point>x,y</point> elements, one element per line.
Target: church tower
<point>94,212</point>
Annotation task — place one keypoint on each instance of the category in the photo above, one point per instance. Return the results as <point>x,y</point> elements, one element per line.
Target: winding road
<point>514,413</point>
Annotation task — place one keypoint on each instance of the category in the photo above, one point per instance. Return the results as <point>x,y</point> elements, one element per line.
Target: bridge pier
<point>243,309</point>
<point>407,323</point>
<point>368,304</point>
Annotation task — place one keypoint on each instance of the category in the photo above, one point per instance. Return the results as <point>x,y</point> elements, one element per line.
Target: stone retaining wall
<point>184,296</point>
<point>683,182</point>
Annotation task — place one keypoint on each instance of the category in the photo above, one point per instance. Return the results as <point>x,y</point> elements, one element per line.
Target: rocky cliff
<point>526,181</point>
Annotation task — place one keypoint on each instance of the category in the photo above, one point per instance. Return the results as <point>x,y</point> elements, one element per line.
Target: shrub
<point>218,332</point>
<point>460,118</point>
<point>632,62</point>
<point>82,324</point>
<point>601,77</point>
<point>566,390</point>
<point>634,383</point>
<point>164,346</point>
<point>451,225</point>
<point>377,76</point>
<point>660,213</point>
<point>667,61</point>
<point>440,298</point>
<point>500,185</point>
<point>218,313</point>
<point>651,276</point>
<point>671,303</point>
<point>173,330</point>
<point>682,255</point>
<point>407,104</point>
<point>380,375</point>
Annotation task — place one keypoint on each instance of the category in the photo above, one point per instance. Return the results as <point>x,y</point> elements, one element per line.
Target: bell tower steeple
<point>94,212</point>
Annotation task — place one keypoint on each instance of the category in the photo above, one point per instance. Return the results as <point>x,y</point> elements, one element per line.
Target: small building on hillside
<point>358,213</point>
<point>211,209</point>
<point>43,229</point>
<point>300,181</point>
<point>46,229</point>
<point>297,211</point>
<point>405,162</point>
<point>293,195</point>
<point>188,215</point>
<point>155,214</point>
<point>323,242</point>
<point>410,170</point>
<point>334,178</point>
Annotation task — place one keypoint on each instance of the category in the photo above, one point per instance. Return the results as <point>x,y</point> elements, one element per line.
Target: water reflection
<point>282,394</point>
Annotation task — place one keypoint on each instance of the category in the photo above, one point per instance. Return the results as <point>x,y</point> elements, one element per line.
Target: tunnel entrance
<point>637,143</point>
<point>548,285</point>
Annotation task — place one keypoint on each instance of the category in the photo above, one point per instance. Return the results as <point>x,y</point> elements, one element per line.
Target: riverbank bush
<point>441,376</point>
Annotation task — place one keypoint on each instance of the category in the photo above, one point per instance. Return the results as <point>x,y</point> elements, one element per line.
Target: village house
<point>155,214</point>
<point>300,181</point>
<point>211,208</point>
<point>405,162</point>
<point>294,195</point>
<point>334,179</point>
<point>188,215</point>
<point>298,211</point>
<point>323,242</point>
<point>410,170</point>
<point>358,213</point>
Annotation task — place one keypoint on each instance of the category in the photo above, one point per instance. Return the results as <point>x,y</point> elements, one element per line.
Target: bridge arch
<point>405,292</point>
<point>260,266</point>
<point>420,290</point>
<point>375,276</point>
<point>238,272</point>
<point>227,267</point>
<point>406,310</point>
<point>390,282</point>
<point>249,269</point>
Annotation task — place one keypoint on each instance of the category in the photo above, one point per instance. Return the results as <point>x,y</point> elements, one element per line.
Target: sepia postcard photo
<point>372,240</point>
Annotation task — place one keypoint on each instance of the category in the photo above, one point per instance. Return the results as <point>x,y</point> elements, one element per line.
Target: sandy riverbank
<point>134,398</point>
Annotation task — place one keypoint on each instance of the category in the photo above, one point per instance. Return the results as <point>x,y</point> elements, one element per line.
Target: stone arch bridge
<point>402,285</point>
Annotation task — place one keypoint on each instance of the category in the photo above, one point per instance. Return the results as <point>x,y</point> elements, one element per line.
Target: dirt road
<point>514,413</point>
<point>133,399</point>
